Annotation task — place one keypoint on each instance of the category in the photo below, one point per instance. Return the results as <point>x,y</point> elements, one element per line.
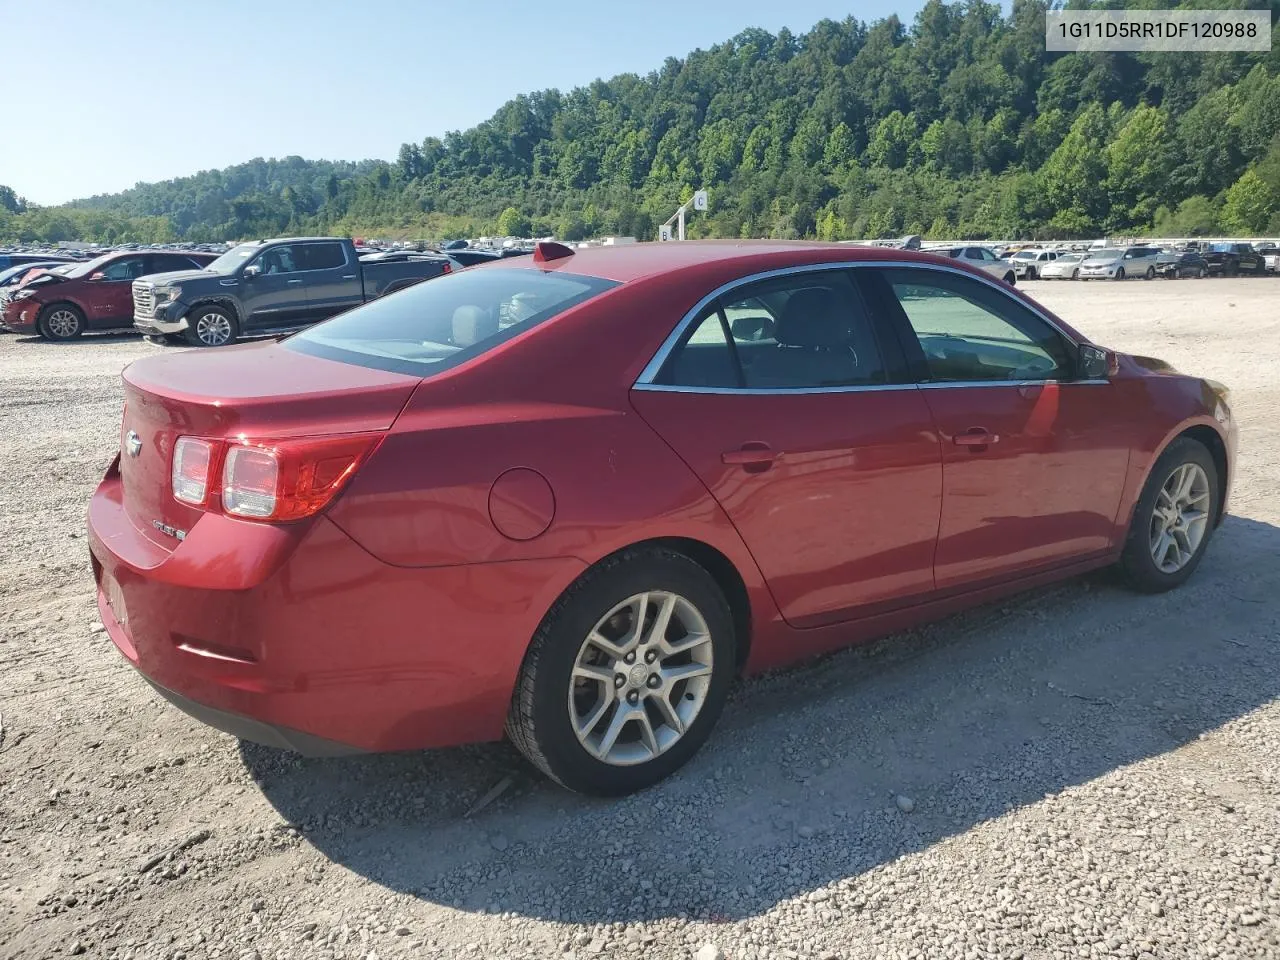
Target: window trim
<point>919,362</point>
<point>646,379</point>
<point>896,367</point>
<point>346,262</point>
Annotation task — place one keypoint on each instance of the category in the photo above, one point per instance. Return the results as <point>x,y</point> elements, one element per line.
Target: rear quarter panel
<point>556,402</point>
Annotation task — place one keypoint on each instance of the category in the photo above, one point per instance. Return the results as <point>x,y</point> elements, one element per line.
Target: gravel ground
<point>1079,772</point>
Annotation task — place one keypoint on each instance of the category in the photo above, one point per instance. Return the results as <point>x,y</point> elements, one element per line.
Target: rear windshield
<point>443,322</point>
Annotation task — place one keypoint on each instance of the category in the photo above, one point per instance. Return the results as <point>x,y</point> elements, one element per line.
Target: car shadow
<point>969,717</point>
<point>89,336</point>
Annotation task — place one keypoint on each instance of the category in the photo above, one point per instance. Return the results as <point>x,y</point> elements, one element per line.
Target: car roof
<point>635,261</point>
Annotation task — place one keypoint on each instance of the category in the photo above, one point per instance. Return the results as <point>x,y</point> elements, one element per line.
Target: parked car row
<point>208,300</point>
<point>1146,262</point>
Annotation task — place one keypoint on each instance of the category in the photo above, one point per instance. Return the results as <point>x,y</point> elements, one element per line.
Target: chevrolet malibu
<point>570,497</point>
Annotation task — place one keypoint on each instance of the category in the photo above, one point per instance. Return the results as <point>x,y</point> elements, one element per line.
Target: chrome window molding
<point>777,391</point>
<point>864,387</point>
<point>652,368</point>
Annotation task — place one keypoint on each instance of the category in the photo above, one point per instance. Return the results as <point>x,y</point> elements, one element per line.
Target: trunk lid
<point>256,391</point>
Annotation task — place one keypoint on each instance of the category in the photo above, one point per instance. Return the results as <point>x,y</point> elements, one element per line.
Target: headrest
<point>471,324</point>
<point>812,318</point>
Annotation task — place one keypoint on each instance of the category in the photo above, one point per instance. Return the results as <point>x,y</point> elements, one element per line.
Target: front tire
<point>211,326</point>
<point>61,322</point>
<point>1173,520</point>
<point>1010,279</point>
<point>1075,274</point>
<point>1119,274</point>
<point>1031,273</point>
<point>627,674</point>
<point>1151,273</point>
<point>1201,273</point>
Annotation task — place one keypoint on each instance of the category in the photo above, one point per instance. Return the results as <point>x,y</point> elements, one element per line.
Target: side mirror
<point>251,271</point>
<point>97,275</point>
<point>1097,363</point>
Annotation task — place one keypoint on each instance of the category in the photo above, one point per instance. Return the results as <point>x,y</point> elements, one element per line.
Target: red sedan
<point>94,295</point>
<point>571,496</point>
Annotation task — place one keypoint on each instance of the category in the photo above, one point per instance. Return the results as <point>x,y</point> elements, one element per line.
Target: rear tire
<point>1201,273</point>
<point>210,325</point>
<point>1151,273</point>
<point>1153,517</point>
<point>61,322</point>
<point>572,692</point>
<point>1010,279</point>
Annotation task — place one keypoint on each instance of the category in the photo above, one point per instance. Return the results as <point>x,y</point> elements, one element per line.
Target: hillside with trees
<point>957,125</point>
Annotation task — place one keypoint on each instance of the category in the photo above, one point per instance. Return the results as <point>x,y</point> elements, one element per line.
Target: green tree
<point>1250,203</point>
<point>1137,167</point>
<point>892,139</point>
<point>513,223</point>
<point>1194,217</point>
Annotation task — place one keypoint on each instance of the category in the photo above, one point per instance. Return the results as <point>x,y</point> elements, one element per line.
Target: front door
<point>277,296</point>
<point>1033,459</point>
<point>785,401</point>
<point>111,299</point>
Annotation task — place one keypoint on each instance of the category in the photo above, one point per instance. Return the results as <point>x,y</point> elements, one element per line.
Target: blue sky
<point>141,90</point>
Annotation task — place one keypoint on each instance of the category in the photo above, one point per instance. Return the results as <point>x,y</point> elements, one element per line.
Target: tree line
<point>959,125</point>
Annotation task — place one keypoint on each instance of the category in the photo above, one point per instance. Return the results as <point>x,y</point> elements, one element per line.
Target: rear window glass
<point>438,324</point>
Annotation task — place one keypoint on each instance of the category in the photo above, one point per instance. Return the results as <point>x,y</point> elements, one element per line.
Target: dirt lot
<point>1080,772</point>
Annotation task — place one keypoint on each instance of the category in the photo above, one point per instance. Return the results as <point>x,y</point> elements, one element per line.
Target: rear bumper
<point>247,728</point>
<point>297,637</point>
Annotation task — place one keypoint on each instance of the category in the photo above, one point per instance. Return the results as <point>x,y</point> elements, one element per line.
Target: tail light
<point>446,267</point>
<point>192,459</point>
<point>269,480</point>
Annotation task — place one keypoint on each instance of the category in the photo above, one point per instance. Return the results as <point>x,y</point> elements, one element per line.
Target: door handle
<point>348,276</point>
<point>975,437</point>
<point>751,454</point>
<point>297,280</point>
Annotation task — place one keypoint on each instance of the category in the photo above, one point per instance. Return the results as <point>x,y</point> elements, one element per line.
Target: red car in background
<point>571,496</point>
<point>95,295</point>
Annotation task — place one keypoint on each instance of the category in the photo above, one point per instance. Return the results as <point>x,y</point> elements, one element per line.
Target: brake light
<point>192,459</point>
<point>290,479</point>
<point>446,268</point>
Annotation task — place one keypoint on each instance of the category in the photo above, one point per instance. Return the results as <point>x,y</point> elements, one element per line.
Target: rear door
<point>786,401</point>
<point>333,283</point>
<point>277,296</point>
<point>1034,459</point>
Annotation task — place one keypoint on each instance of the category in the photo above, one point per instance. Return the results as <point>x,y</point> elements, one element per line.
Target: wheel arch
<point>52,305</point>
<point>1207,436</point>
<point>226,303</point>
<point>1217,447</point>
<point>722,570</point>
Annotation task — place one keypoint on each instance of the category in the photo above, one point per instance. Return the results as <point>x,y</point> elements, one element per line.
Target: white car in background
<point>984,260</point>
<point>1029,264</point>
<point>1066,267</point>
<point>1120,263</point>
<point>1270,257</point>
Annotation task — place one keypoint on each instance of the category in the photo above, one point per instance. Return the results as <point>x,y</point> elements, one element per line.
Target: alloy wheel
<point>641,678</point>
<point>1180,517</point>
<point>213,329</point>
<point>63,323</point>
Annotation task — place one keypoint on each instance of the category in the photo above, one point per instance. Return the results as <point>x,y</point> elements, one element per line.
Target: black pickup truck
<point>269,287</point>
<point>1233,259</point>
